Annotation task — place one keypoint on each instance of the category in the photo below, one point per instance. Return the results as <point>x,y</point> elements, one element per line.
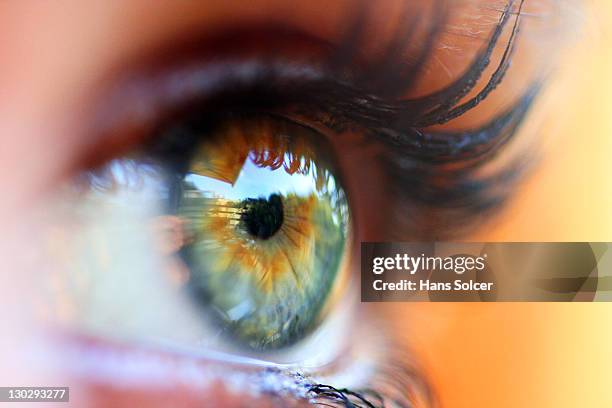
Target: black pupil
<point>262,217</point>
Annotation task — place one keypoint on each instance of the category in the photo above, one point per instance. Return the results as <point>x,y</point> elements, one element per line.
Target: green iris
<point>268,221</point>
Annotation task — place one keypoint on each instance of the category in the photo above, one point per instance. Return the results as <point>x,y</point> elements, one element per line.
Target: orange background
<point>540,355</point>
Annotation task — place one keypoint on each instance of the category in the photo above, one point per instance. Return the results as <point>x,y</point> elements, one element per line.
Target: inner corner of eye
<point>267,221</point>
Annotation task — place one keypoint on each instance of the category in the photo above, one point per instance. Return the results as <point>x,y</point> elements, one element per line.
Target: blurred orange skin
<point>502,355</point>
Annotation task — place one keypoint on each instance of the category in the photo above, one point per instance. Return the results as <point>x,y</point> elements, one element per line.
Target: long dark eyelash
<point>471,146</point>
<point>435,108</point>
<point>439,104</point>
<point>446,112</point>
<point>326,395</point>
<point>407,118</point>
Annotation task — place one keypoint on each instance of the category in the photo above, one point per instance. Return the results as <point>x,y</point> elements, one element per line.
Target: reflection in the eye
<point>269,226</point>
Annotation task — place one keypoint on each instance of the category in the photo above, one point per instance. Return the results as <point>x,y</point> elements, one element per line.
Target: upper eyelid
<point>129,110</point>
<point>141,99</point>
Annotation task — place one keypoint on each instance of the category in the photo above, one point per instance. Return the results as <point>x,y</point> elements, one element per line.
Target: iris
<point>268,222</point>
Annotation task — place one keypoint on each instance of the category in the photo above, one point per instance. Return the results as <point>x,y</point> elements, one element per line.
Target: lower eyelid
<point>94,358</point>
<point>103,364</point>
<point>111,365</point>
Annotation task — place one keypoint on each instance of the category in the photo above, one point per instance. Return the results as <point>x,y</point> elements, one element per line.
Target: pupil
<point>262,217</point>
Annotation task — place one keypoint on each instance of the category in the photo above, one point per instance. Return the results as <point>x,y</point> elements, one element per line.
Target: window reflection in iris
<point>267,222</point>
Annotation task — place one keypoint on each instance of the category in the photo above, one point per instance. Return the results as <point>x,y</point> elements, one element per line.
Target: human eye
<point>217,207</point>
<point>254,213</point>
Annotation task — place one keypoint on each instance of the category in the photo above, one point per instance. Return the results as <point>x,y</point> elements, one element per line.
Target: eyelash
<point>435,174</point>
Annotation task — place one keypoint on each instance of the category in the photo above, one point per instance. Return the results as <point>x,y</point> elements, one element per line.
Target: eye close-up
<point>266,226</point>
<point>288,204</point>
<point>253,212</point>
